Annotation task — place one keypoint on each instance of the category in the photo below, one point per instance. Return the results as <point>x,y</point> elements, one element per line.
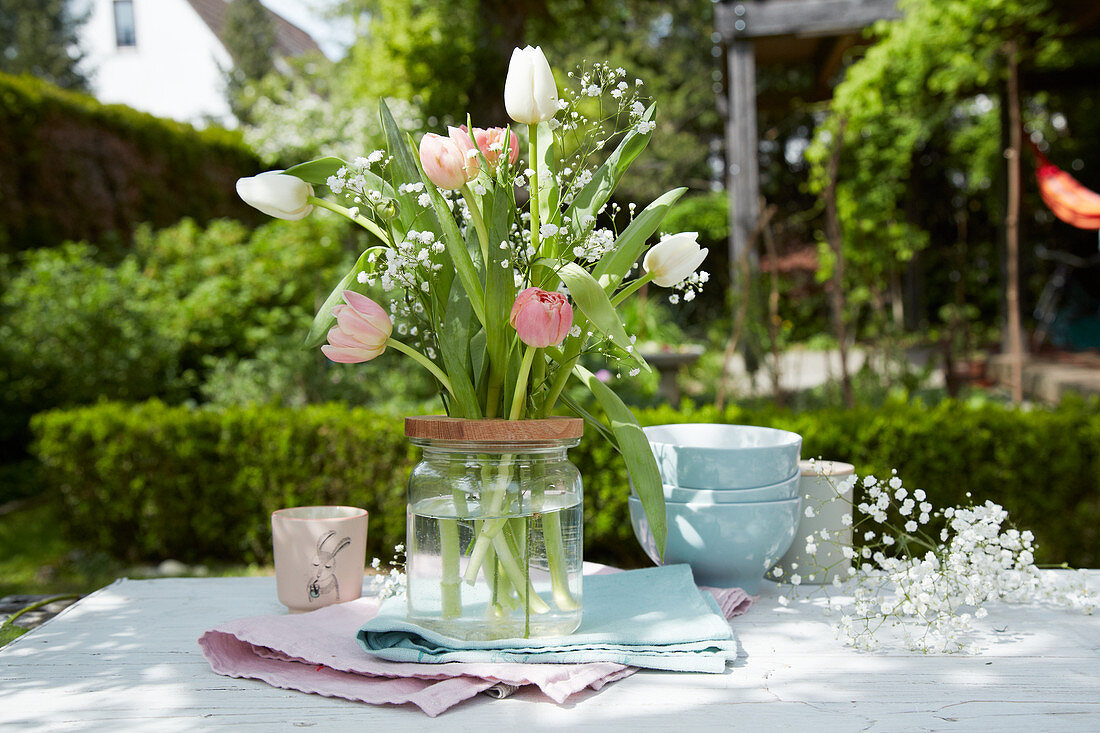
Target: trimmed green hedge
<point>72,168</point>
<point>150,481</point>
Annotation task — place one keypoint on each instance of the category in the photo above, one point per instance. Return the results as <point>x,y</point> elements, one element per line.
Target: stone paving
<point>1048,377</point>
<point>37,617</point>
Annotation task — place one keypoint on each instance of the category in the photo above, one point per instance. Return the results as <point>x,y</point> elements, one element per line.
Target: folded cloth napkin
<point>317,652</point>
<point>655,618</point>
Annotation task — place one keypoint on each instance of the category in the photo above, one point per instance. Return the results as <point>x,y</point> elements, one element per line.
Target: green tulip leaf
<point>454,345</point>
<point>317,171</point>
<point>596,306</point>
<point>636,452</point>
<point>403,169</point>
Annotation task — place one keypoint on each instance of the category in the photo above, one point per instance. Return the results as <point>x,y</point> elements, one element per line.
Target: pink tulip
<point>362,329</point>
<point>491,144</point>
<point>444,161</point>
<point>471,164</point>
<point>541,318</point>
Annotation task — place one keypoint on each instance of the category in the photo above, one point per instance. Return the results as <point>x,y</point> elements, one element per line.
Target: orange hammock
<point>1067,198</point>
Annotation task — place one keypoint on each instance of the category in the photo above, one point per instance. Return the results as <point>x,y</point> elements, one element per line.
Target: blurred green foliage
<point>151,481</point>
<point>75,330</point>
<point>215,313</point>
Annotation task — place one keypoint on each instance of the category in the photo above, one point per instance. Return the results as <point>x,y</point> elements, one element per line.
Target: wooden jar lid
<point>439,427</point>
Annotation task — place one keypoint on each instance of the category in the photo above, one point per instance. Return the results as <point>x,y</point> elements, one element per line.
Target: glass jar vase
<point>494,528</point>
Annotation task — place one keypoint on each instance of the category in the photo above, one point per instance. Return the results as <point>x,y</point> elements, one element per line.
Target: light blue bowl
<point>704,497</point>
<point>776,492</point>
<point>723,457</point>
<point>726,545</point>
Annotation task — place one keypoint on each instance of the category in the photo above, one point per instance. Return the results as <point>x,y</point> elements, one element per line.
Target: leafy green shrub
<point>238,289</point>
<point>186,302</point>
<point>72,168</point>
<point>74,330</point>
<point>152,481</point>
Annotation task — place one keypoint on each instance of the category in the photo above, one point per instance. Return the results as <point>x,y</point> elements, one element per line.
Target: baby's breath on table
<point>927,591</point>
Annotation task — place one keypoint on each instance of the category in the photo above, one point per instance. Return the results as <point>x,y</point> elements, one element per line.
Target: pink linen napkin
<point>317,652</point>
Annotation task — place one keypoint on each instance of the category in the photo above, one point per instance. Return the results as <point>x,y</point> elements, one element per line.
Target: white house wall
<point>173,71</point>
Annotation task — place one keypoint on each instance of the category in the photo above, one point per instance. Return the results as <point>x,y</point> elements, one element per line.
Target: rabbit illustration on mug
<point>323,580</point>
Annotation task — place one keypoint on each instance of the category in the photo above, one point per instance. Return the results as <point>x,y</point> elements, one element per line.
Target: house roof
<point>290,40</point>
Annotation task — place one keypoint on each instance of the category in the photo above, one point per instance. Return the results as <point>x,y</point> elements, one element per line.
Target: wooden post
<point>742,172</point>
<point>773,309</point>
<point>1012,228</point>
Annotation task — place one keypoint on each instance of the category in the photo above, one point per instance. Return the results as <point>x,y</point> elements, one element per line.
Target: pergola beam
<point>743,20</point>
<point>739,24</point>
<point>742,166</point>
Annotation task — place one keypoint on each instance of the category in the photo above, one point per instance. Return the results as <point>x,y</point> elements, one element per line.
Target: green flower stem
<point>345,212</point>
<point>520,396</point>
<point>450,585</point>
<point>561,376</point>
<point>533,185</point>
<point>479,222</point>
<point>555,557</point>
<point>479,555</point>
<point>631,289</point>
<point>492,505</point>
<point>424,362</point>
<point>538,371</point>
<point>510,555</point>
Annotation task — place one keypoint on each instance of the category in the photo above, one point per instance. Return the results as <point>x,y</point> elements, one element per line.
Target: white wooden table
<point>126,658</point>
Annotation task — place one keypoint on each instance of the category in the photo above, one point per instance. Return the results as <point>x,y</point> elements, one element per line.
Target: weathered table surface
<point>126,658</point>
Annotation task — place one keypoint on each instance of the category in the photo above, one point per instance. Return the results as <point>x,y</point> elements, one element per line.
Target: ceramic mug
<point>818,488</point>
<point>320,555</point>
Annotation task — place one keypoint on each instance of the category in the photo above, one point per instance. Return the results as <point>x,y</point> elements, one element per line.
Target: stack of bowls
<point>731,498</point>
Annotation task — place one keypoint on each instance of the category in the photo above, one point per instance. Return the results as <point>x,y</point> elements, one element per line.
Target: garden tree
<point>452,57</point>
<point>39,37</point>
<point>249,36</point>
<point>448,57</point>
<point>668,45</point>
<point>308,113</point>
<point>916,122</point>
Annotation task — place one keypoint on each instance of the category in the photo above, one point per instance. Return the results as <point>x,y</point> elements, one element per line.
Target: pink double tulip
<point>541,318</point>
<point>445,162</point>
<point>362,329</point>
<point>491,144</point>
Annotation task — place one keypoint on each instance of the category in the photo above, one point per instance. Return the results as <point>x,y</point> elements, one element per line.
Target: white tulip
<point>530,93</point>
<point>277,194</point>
<point>674,258</point>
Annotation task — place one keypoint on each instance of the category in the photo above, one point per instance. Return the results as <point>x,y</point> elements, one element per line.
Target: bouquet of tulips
<point>500,277</point>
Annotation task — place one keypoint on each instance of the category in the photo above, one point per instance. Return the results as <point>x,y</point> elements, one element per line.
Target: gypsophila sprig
<point>927,589</point>
<point>385,583</point>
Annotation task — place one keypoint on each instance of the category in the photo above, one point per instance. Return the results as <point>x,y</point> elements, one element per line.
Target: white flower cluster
<point>407,265</point>
<point>356,181</point>
<point>690,286</point>
<point>598,243</point>
<point>594,85</point>
<point>906,585</point>
<point>387,583</point>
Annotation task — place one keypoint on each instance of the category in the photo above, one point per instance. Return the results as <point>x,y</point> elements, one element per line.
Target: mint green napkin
<point>655,618</point>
